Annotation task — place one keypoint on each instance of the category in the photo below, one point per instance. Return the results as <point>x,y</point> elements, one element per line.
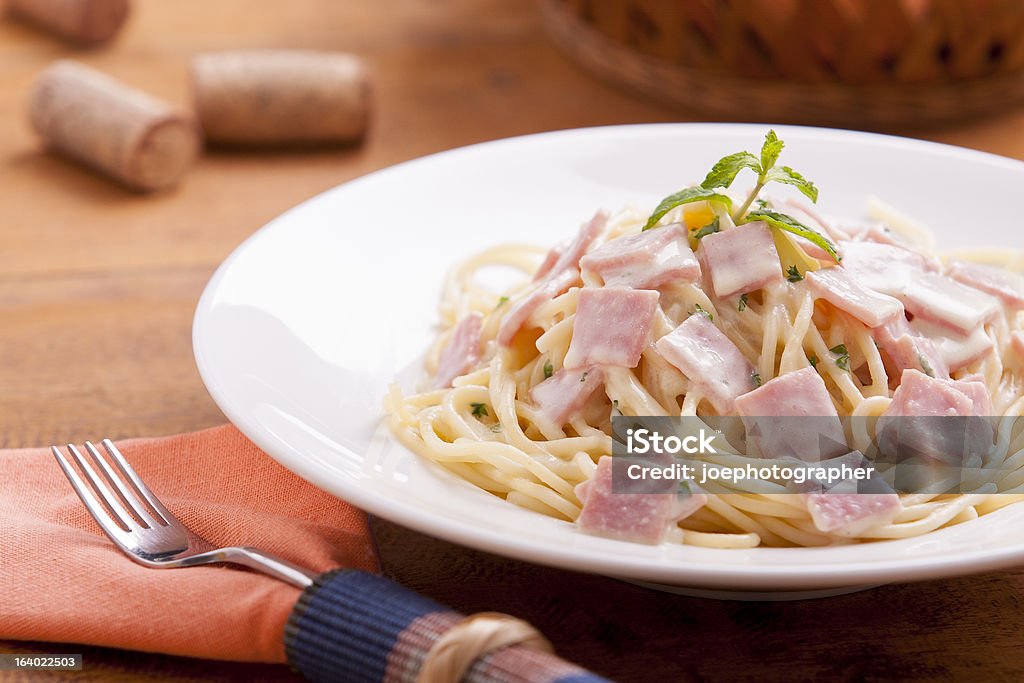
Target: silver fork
<point>148,533</point>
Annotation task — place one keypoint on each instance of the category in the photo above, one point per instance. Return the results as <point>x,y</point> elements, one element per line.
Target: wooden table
<point>98,286</point>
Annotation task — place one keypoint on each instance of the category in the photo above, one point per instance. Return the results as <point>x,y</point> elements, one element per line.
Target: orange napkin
<point>62,580</point>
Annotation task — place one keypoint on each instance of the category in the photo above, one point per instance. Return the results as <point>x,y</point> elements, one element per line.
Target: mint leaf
<point>687,196</point>
<point>711,227</point>
<point>786,175</point>
<point>770,151</point>
<point>792,225</point>
<point>726,169</point>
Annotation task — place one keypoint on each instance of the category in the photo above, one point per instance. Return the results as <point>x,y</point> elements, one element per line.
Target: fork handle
<point>263,562</point>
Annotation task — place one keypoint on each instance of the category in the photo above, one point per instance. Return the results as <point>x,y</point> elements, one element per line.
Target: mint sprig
<point>724,172</point>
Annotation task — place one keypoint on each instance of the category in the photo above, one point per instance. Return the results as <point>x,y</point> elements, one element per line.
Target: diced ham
<point>740,260</point>
<point>910,425</point>
<point>796,394</point>
<point>646,260</point>
<point>567,256</point>
<point>709,360</point>
<point>907,349</point>
<point>557,273</point>
<point>974,388</point>
<point>816,435</point>
<point>956,350</point>
<point>845,292</point>
<point>640,517</point>
<point>519,312</point>
<point>563,395</point>
<point>941,300</point>
<point>919,395</point>
<point>611,327</point>
<point>462,351</point>
<point>850,514</point>
<point>995,281</point>
<point>884,268</point>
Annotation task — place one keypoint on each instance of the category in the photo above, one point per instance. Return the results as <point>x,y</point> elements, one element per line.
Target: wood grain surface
<point>98,286</point>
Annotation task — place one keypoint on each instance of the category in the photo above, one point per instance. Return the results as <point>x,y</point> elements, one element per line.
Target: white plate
<point>300,331</point>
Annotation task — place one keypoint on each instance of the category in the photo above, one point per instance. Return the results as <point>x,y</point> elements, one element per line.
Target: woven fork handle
<point>355,627</point>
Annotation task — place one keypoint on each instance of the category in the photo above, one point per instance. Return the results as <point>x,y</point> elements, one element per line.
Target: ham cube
<point>845,292</point>
<point>850,514</point>
<point>562,396</point>
<point>611,327</point>
<point>632,516</point>
<point>793,416</point>
<point>995,281</point>
<point>521,311</point>
<point>884,268</point>
<point>907,349</point>
<point>796,394</point>
<point>647,260</point>
<point>956,351</point>
<point>709,360</point>
<point>462,351</point>
<point>919,395</point>
<point>911,426</point>
<point>740,260</point>
<point>943,301</point>
<point>567,256</point>
<point>974,388</point>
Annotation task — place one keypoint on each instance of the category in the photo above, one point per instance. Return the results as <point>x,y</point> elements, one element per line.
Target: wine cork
<point>131,136</point>
<point>280,97</point>
<point>86,22</point>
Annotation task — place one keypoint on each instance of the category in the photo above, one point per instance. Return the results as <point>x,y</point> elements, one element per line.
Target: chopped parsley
<point>756,379</point>
<point>496,427</point>
<point>742,305</point>
<point>549,370</point>
<point>708,229</point>
<point>502,300</point>
<point>583,377</point>
<point>479,409</point>
<point>842,356</point>
<point>794,275</point>
<point>700,309</point>
<point>813,360</point>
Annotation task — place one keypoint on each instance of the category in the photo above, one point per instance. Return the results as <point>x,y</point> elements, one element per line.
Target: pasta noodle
<point>486,429</point>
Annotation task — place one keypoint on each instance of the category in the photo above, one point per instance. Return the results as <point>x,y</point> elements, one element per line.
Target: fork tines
<point>115,498</point>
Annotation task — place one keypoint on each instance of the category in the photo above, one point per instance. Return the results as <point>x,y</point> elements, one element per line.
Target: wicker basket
<point>859,63</point>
